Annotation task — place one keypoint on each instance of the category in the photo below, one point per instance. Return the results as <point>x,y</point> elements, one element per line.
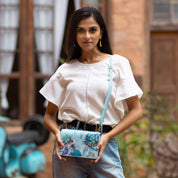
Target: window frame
<point>171,23</point>
<point>26,75</point>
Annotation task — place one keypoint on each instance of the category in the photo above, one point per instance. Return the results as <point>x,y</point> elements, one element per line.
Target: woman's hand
<point>59,143</point>
<point>101,146</point>
<point>58,138</point>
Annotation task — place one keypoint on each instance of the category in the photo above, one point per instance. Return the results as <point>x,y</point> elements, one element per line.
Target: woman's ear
<point>101,33</point>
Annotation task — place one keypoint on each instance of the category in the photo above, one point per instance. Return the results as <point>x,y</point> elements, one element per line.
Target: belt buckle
<point>99,129</point>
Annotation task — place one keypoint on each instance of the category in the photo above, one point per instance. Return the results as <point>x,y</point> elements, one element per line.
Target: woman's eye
<point>79,30</point>
<point>92,30</point>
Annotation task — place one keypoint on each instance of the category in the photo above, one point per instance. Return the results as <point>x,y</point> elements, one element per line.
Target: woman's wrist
<point>56,131</point>
<point>108,136</point>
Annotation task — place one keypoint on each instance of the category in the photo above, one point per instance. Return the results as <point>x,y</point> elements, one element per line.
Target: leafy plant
<point>134,144</point>
<point>160,114</point>
<point>61,61</point>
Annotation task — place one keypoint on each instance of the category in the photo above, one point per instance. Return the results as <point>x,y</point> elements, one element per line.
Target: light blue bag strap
<point>108,93</point>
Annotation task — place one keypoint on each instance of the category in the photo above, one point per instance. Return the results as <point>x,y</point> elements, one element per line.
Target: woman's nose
<point>87,34</point>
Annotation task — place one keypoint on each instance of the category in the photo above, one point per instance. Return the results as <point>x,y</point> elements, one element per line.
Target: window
<point>165,11</point>
<point>26,55</point>
<point>9,52</point>
<point>44,63</point>
<point>31,37</point>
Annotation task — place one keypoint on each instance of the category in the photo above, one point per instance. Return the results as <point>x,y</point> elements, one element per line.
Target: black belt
<point>89,127</point>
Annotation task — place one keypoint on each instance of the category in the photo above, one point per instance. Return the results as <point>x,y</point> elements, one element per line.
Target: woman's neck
<point>89,57</point>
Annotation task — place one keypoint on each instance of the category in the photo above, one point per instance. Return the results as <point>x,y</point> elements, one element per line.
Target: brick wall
<point>128,31</point>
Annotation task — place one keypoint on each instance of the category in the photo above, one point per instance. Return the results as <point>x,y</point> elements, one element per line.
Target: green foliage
<point>61,61</point>
<point>161,116</point>
<point>134,144</point>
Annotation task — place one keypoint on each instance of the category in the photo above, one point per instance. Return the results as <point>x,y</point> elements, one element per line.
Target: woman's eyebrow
<point>89,27</point>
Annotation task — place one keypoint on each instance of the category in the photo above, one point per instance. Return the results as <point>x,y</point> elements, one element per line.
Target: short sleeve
<point>126,85</point>
<point>53,90</point>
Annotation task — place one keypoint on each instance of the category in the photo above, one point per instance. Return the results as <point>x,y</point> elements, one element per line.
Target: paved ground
<point>47,149</point>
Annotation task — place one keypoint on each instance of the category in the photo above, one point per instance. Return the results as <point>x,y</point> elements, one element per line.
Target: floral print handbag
<point>79,143</point>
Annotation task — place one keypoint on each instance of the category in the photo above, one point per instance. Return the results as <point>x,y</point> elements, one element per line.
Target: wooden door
<point>164,81</point>
<point>164,65</point>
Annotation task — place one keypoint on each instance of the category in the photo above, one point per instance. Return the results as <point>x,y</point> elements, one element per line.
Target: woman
<point>78,89</point>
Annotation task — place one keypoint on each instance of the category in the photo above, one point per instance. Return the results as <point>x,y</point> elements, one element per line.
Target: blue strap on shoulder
<point>108,94</point>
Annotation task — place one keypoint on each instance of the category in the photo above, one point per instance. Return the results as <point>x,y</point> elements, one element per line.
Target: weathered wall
<point>128,31</point>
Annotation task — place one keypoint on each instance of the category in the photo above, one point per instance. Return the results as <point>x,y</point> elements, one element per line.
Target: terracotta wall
<point>128,32</point>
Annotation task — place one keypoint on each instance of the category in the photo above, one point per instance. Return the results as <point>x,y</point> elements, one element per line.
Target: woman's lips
<point>87,42</point>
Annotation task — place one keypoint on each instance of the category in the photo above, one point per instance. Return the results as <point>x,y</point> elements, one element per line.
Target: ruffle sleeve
<point>126,84</point>
<point>54,90</point>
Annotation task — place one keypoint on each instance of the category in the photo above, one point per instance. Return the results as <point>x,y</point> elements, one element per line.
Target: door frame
<point>26,88</point>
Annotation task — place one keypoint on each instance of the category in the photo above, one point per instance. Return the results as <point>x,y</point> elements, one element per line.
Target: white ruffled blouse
<point>79,90</point>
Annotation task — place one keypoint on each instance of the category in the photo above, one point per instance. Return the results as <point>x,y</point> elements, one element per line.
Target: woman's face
<point>88,34</point>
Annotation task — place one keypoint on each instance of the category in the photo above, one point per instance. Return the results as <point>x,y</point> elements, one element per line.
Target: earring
<point>100,44</point>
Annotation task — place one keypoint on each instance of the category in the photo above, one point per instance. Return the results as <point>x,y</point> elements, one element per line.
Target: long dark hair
<point>72,49</point>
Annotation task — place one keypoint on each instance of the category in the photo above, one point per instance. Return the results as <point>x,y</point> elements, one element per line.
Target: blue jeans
<point>109,166</point>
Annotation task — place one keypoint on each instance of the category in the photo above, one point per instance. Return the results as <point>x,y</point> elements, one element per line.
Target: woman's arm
<point>50,123</point>
<point>135,112</point>
<point>50,118</point>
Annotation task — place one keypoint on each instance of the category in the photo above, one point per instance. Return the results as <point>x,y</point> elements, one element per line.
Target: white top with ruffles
<point>79,90</point>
